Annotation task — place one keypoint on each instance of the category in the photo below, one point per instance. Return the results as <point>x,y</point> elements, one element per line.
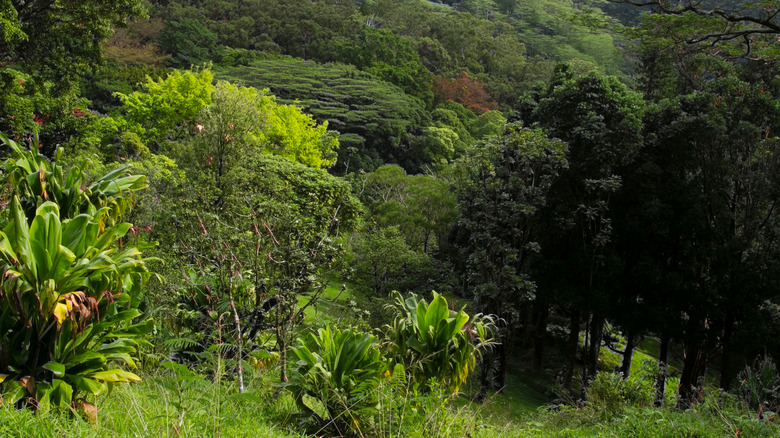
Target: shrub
<point>759,385</point>
<point>434,342</point>
<point>69,291</point>
<point>610,392</point>
<point>341,370</point>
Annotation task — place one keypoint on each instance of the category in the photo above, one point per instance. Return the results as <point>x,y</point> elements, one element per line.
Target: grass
<point>151,409</point>
<point>197,406</point>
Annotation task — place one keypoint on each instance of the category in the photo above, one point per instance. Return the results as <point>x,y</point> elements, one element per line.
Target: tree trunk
<point>628,354</point>
<point>572,344</point>
<point>594,348</point>
<point>281,342</point>
<point>726,362</point>
<point>541,312</point>
<point>660,379</point>
<point>239,340</point>
<point>501,369</point>
<point>689,390</point>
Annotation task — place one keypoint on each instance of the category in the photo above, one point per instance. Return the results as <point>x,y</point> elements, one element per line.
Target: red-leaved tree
<point>469,92</point>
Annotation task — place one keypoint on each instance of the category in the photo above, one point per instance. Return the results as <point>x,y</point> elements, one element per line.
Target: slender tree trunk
<point>281,341</point>
<point>726,362</point>
<point>541,312</point>
<point>501,369</point>
<point>689,390</point>
<point>594,348</point>
<point>660,379</point>
<point>628,354</point>
<point>239,340</point>
<point>572,344</point>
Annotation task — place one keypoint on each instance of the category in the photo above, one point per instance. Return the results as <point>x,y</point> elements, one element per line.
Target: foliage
<point>387,56</point>
<point>188,42</point>
<point>466,91</point>
<point>70,290</point>
<point>340,369</point>
<point>272,236</point>
<point>60,42</point>
<point>168,107</point>
<point>509,183</point>
<point>422,207</point>
<point>759,385</point>
<point>135,45</point>
<point>383,260</point>
<point>374,117</point>
<point>434,342</point>
<point>611,392</point>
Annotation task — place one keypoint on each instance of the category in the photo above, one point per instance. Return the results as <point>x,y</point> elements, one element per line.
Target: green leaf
<point>87,385</point>
<point>115,375</point>
<point>57,368</point>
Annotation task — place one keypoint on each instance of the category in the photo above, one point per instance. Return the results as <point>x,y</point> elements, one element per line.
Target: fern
<point>180,343</point>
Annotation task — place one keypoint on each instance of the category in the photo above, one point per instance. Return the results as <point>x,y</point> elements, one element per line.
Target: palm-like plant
<point>434,342</point>
<point>69,290</point>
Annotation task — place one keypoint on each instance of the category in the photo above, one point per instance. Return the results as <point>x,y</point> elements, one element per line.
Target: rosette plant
<point>341,370</point>
<point>434,342</point>
<point>70,287</point>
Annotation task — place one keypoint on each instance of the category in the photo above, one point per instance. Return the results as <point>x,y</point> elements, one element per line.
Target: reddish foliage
<point>468,92</point>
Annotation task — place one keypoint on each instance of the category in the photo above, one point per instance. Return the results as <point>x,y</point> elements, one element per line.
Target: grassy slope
<point>153,408</point>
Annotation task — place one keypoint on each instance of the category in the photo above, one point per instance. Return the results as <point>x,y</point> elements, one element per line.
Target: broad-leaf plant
<point>435,343</point>
<point>70,285</point>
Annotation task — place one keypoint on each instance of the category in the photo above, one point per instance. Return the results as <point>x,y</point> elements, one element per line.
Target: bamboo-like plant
<point>69,289</point>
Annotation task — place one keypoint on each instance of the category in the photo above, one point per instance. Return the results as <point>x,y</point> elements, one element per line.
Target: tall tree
<point>600,119</point>
<point>712,170</point>
<point>510,178</point>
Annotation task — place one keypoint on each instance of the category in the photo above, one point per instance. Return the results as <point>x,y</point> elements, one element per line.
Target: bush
<point>759,385</point>
<point>70,291</point>
<point>610,392</point>
<point>434,342</point>
<point>341,370</point>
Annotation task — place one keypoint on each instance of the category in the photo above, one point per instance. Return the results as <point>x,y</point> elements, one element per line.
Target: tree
<point>600,120</point>
<point>168,108</point>
<point>59,41</point>
<point>271,244</point>
<point>465,90</point>
<point>46,47</point>
<point>720,26</point>
<point>422,207</point>
<point>499,224</point>
<point>382,258</point>
<point>713,149</point>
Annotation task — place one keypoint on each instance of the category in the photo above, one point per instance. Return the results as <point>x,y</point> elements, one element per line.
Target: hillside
<point>389,218</point>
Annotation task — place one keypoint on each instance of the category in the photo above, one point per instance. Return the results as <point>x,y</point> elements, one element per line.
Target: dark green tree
<point>509,181</point>
<point>717,166</point>
<point>600,119</point>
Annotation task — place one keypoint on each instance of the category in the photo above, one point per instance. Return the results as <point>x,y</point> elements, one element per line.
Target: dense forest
<point>389,218</point>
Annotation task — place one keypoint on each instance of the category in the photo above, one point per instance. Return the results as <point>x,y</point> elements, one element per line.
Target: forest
<point>390,218</point>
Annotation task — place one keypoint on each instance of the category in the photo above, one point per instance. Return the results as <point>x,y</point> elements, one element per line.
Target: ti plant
<point>341,370</point>
<point>435,343</point>
<point>69,289</point>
